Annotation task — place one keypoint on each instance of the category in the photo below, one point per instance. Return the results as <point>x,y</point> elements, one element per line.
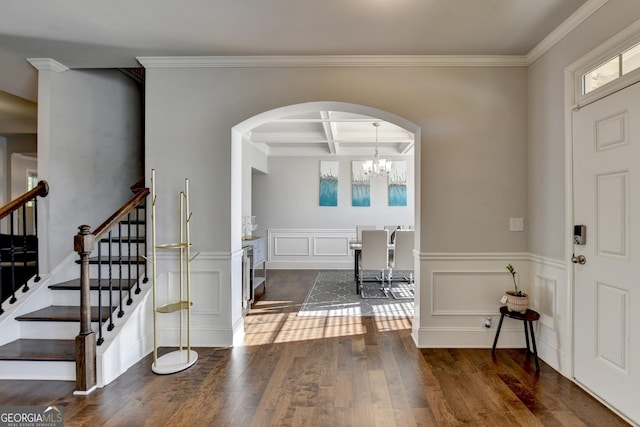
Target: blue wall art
<point>360,185</point>
<point>397,184</point>
<point>328,183</point>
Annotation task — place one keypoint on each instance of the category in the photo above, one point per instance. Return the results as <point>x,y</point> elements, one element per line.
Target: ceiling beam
<point>329,131</point>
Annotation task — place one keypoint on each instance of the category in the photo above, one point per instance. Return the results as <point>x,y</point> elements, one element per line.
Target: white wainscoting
<point>211,292</point>
<point>458,291</point>
<point>309,248</point>
<point>552,299</point>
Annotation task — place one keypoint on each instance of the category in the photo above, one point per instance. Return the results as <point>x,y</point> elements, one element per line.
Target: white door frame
<point>573,101</point>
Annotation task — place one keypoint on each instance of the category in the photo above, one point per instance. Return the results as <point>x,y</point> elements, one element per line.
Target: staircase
<point>20,249</point>
<point>45,346</point>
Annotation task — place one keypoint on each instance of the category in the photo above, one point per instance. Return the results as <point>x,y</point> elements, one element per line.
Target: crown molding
<point>571,23</point>
<point>267,61</point>
<point>47,64</point>
<point>333,61</point>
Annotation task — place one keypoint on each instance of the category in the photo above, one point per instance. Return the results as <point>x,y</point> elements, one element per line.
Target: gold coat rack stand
<point>182,358</point>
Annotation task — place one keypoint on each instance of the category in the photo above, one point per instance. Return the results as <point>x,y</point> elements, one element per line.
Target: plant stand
<point>528,317</point>
<point>183,357</point>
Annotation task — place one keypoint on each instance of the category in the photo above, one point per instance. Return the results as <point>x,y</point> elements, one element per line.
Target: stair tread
<point>40,350</point>
<point>62,313</point>
<point>74,284</point>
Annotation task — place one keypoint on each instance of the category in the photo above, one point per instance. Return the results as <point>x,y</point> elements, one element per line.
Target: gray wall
<point>473,158</point>
<point>89,151</point>
<point>546,152</point>
<point>288,196</point>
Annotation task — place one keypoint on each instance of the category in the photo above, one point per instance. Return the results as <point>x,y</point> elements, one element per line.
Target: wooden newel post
<point>83,244</point>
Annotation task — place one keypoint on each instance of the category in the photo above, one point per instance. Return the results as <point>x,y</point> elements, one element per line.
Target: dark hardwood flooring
<point>326,372</point>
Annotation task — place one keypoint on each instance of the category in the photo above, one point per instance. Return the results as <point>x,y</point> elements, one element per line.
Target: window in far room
<point>32,182</point>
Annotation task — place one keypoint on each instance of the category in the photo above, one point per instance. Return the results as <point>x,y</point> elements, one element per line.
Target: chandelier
<point>377,166</point>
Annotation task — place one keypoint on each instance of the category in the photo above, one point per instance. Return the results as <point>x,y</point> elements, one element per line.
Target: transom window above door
<point>611,69</point>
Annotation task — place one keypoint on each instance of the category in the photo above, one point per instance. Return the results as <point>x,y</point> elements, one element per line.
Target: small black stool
<point>528,317</point>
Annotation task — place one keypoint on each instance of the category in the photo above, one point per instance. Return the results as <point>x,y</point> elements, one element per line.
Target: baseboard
<point>454,337</point>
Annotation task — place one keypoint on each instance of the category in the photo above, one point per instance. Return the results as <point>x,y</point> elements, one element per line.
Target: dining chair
<point>391,229</point>
<point>359,229</point>
<point>374,255</point>
<point>403,259</point>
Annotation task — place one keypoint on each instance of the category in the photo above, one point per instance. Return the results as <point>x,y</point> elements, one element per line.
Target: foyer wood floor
<point>326,372</point>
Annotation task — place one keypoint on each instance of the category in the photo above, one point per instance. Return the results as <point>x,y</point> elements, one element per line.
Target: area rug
<point>334,294</point>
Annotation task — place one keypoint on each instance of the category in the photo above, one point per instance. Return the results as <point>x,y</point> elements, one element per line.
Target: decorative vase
<point>517,303</point>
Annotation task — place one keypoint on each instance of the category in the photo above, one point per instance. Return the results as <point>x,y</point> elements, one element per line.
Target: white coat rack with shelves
<point>183,357</point>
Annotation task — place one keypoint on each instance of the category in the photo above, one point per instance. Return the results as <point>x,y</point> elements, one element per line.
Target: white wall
<point>288,197</point>
<point>89,136</point>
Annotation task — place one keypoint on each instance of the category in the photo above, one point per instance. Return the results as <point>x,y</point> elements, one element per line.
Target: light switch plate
<point>516,224</point>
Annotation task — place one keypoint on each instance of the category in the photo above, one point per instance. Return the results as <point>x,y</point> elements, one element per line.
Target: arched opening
<point>239,133</point>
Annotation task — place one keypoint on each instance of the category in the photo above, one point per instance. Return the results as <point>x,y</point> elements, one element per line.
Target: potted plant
<point>516,300</point>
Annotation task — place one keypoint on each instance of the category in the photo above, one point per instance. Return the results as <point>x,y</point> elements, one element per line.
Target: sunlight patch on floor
<point>386,324</point>
<point>262,327</point>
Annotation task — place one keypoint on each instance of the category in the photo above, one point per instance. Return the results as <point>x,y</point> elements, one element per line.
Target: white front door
<point>606,188</point>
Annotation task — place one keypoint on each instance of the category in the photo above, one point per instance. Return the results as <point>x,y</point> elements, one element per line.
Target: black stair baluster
<point>111,325</point>
<point>121,311</point>
<point>137,228</point>
<point>100,338</point>
<point>130,300</point>
<point>35,231</point>
<point>12,252</point>
<point>144,223</point>
<point>25,248</point>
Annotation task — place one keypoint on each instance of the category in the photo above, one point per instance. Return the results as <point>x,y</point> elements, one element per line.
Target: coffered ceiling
<point>331,132</point>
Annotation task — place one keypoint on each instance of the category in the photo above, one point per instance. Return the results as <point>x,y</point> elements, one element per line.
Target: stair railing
<point>130,216</point>
<point>20,250</point>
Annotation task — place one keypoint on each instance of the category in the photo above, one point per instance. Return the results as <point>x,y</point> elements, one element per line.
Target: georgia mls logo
<point>31,416</point>
<point>55,410</point>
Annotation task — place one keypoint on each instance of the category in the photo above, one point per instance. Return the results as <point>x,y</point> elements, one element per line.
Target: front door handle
<point>578,259</point>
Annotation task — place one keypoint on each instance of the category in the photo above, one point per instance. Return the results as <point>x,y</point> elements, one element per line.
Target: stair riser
<point>37,370</point>
<point>54,330</point>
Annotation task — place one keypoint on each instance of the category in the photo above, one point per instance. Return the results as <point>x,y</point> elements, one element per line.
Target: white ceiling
<point>111,34</point>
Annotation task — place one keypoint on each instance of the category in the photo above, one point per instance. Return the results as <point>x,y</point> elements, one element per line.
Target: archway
<point>236,176</point>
